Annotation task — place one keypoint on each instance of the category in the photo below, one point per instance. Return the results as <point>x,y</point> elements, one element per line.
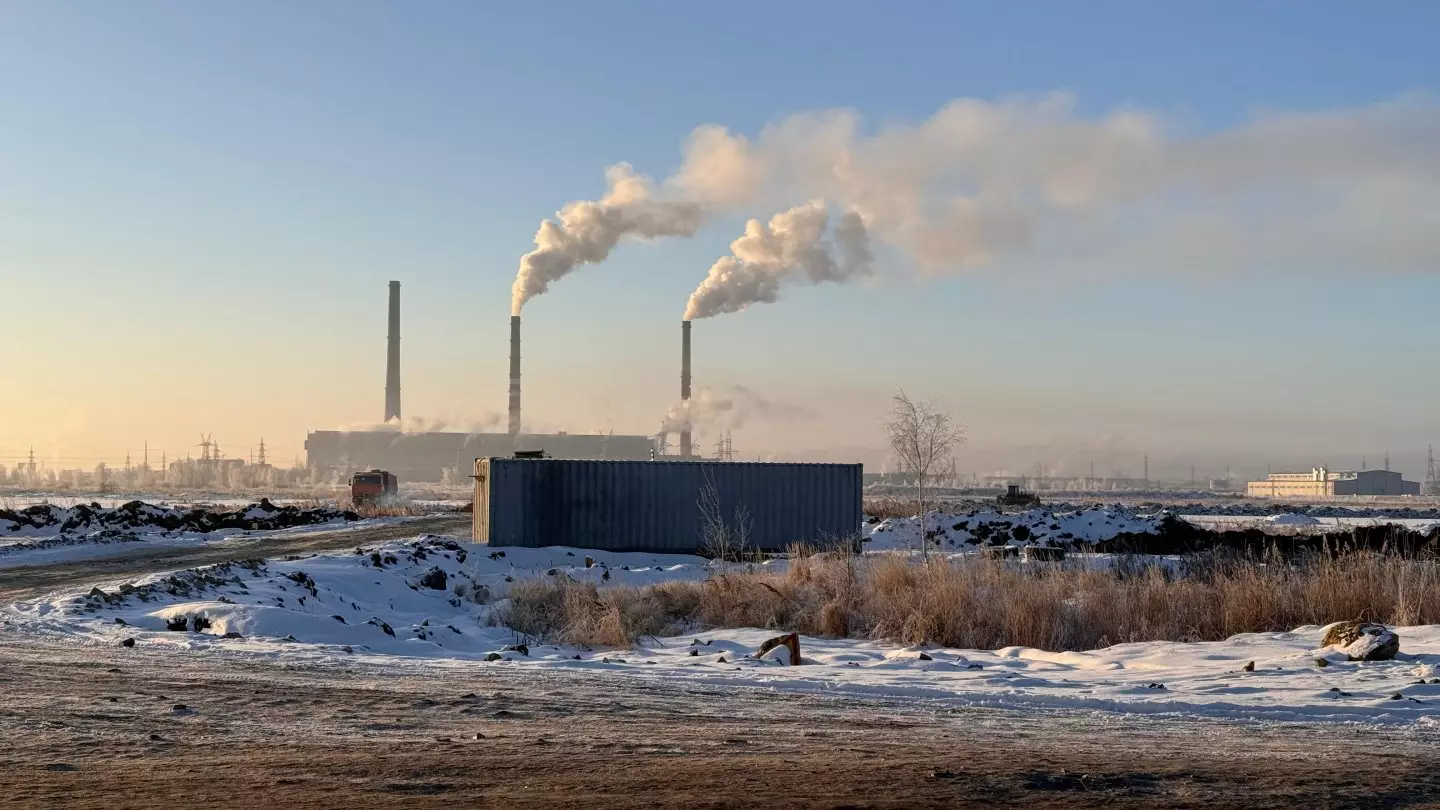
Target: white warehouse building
<point>1324,483</point>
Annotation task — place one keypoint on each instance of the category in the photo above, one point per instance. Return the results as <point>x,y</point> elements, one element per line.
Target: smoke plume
<point>792,245</point>
<point>585,232</point>
<point>1031,181</point>
<point>727,410</point>
<point>413,425</point>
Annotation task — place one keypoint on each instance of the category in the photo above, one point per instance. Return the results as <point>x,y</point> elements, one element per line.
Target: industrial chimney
<point>685,449</point>
<point>392,357</point>
<point>514,375</point>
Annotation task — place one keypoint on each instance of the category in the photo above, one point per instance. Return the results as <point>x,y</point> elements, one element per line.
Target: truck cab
<point>373,487</point>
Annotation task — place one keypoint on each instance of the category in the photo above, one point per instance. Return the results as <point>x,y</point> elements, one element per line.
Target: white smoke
<point>1029,182</point>
<point>413,425</point>
<point>727,410</point>
<point>981,181</point>
<point>585,232</point>
<point>793,244</point>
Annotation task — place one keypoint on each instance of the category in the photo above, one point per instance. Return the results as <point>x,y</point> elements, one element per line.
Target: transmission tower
<point>725,448</point>
<point>261,460</point>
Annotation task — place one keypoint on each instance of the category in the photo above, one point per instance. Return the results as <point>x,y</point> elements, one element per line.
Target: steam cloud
<point>1030,183</point>
<point>792,244</point>
<point>585,232</point>
<point>981,183</point>
<point>729,410</point>
<point>413,425</point>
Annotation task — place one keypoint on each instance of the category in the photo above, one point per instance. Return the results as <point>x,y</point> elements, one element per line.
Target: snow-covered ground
<point>422,600</point>
<point>1040,527</point>
<point>1300,520</point>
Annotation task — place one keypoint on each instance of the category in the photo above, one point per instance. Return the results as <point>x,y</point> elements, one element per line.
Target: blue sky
<point>216,195</point>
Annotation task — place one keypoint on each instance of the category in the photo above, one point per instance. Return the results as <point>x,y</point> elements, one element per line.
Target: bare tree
<point>725,540</point>
<point>921,437</point>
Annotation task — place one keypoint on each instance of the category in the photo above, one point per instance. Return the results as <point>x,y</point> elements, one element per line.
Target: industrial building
<point>1325,483</point>
<point>436,456</point>
<point>663,506</point>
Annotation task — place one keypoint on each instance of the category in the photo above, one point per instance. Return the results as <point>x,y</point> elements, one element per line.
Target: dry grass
<point>987,604</point>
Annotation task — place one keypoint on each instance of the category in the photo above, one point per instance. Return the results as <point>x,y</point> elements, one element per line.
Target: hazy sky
<point>200,206</point>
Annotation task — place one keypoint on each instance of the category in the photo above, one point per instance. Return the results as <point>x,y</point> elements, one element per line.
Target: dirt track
<point>98,727</point>
<point>21,582</point>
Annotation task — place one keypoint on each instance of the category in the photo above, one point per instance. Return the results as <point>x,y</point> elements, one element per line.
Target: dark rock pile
<point>138,516</point>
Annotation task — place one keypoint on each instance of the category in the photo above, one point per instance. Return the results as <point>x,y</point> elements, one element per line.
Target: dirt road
<point>93,727</point>
<point>21,582</point>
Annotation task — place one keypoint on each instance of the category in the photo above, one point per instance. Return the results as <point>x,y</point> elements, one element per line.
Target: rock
<point>120,621</point>
<point>1397,696</point>
<point>434,579</point>
<point>179,625</point>
<point>1249,667</point>
<point>1322,662</point>
<point>347,649</point>
<point>179,707</point>
<point>494,656</point>
<point>520,648</point>
<point>1362,641</point>
<point>722,660</point>
<point>129,642</point>
<point>694,652</point>
<point>925,657</point>
<point>974,666</point>
<point>479,736</point>
<point>96,592</point>
<point>156,738</point>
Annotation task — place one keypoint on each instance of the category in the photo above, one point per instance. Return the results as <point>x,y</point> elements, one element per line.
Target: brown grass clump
<point>972,602</point>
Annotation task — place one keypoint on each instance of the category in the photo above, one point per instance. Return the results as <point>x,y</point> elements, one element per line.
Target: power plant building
<point>1324,483</point>
<point>427,457</point>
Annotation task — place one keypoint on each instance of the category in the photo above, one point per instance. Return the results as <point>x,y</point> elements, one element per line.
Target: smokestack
<point>514,375</point>
<point>685,387</point>
<point>392,357</point>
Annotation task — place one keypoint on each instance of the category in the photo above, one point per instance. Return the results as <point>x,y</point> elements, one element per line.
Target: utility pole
<point>1147,468</point>
<point>1387,461</point>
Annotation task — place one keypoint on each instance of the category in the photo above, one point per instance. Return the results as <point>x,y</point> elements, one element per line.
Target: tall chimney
<point>392,357</point>
<point>514,375</point>
<point>685,449</point>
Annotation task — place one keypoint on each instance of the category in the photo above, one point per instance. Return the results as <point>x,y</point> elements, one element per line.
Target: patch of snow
<point>379,603</point>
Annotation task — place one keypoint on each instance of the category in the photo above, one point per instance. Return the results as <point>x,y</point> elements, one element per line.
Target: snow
<point>374,605</point>
<point>1032,527</point>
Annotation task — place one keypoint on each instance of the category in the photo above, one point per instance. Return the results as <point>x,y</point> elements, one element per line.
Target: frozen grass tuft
<point>977,603</point>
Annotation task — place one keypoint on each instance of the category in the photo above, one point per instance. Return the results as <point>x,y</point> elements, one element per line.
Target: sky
<point>201,204</point>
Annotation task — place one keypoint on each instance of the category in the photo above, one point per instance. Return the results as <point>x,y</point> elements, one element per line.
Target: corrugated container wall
<point>655,505</point>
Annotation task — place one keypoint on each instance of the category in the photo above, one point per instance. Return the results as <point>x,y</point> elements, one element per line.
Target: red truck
<point>373,487</point>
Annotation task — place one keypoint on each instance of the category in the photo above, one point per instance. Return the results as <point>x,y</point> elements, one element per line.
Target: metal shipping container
<point>655,505</point>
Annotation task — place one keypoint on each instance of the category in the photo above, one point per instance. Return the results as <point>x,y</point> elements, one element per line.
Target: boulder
<point>434,579</point>
<point>1362,641</point>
